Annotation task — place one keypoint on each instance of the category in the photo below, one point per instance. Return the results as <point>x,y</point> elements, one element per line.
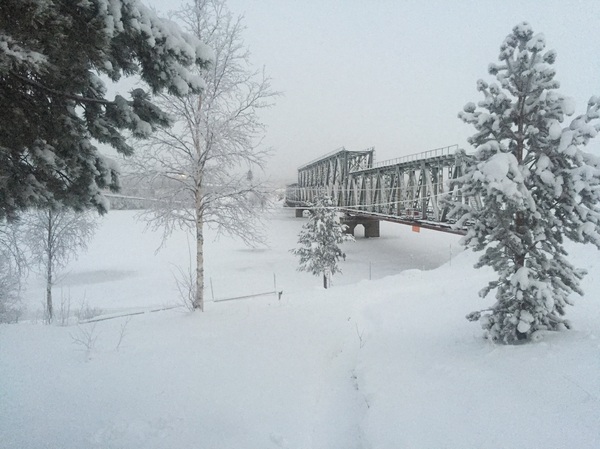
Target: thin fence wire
<point>138,312</point>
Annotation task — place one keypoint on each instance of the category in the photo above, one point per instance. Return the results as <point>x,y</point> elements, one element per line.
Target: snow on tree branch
<point>198,169</point>
<point>53,100</point>
<point>318,243</point>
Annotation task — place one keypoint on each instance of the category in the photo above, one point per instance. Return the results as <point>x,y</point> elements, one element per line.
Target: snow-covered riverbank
<point>383,363</point>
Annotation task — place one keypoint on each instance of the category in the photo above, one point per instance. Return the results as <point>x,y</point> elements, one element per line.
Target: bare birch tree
<point>13,268</point>
<point>54,237</point>
<point>201,169</point>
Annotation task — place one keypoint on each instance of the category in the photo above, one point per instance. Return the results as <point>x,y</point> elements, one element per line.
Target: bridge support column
<point>350,228</point>
<point>371,228</point>
<point>371,225</point>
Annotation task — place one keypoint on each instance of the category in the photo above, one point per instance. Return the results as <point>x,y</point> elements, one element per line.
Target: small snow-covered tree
<point>537,188</point>
<point>319,240</point>
<point>55,56</point>
<point>201,169</point>
<point>54,237</point>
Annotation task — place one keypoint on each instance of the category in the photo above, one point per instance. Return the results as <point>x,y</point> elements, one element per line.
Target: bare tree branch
<point>202,170</point>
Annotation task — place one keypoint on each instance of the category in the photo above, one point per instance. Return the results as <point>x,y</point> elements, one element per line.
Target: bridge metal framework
<point>405,190</point>
<point>328,175</point>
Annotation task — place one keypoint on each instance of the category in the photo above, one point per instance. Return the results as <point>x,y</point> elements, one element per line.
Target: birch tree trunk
<point>49,267</point>
<point>199,300</point>
<point>49,307</point>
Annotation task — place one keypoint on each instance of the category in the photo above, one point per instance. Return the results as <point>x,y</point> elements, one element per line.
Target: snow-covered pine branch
<point>53,103</point>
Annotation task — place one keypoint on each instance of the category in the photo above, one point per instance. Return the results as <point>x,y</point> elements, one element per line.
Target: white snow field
<point>384,363</point>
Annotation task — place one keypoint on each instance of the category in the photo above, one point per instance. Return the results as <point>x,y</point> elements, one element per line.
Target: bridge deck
<point>425,224</point>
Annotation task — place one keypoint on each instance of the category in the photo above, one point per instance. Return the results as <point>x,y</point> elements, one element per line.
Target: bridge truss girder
<point>408,190</point>
<point>329,176</point>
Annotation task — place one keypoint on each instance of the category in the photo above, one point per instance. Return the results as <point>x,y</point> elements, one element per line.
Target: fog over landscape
<point>394,74</point>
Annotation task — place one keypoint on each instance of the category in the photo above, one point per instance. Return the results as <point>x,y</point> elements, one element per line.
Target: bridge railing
<point>437,152</point>
<point>331,153</point>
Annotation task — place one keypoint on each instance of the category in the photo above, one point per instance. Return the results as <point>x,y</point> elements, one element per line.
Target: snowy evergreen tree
<point>319,240</point>
<point>202,168</point>
<point>537,187</point>
<point>53,105</point>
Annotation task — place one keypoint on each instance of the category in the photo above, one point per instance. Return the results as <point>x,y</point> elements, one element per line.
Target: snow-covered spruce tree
<point>536,185</point>
<point>201,169</point>
<point>319,240</point>
<point>53,102</point>
<point>54,237</point>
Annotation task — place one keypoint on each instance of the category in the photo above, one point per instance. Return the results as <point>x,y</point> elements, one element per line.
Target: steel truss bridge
<point>405,190</point>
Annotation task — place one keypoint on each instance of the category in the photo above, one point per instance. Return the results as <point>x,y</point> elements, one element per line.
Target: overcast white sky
<point>394,74</point>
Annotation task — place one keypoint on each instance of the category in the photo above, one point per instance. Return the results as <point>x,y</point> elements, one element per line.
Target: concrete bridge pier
<point>371,225</point>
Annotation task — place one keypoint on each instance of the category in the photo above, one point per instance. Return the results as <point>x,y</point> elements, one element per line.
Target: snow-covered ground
<point>389,362</point>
